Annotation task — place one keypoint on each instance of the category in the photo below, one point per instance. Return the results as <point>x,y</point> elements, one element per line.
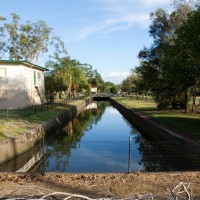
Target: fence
<point>31,109</point>
<point>127,157</point>
<point>105,156</point>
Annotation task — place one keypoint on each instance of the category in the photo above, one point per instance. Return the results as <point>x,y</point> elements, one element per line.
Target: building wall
<point>94,90</point>
<point>18,88</point>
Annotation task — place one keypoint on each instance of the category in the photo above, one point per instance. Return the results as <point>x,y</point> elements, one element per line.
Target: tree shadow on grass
<point>145,109</point>
<point>44,116</point>
<point>187,126</point>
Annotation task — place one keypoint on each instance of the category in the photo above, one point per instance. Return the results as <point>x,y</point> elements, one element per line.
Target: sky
<point>107,34</point>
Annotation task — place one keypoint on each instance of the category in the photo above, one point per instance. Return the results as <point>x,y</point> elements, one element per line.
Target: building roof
<point>27,63</point>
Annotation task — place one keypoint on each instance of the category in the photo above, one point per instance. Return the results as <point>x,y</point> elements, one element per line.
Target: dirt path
<point>96,185</point>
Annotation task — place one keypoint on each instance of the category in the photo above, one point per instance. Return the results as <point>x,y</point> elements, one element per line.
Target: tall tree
<point>187,56</point>
<point>59,48</point>
<point>169,54</point>
<point>28,41</point>
<point>2,37</point>
<point>93,77</point>
<point>71,74</point>
<point>40,38</point>
<point>12,30</point>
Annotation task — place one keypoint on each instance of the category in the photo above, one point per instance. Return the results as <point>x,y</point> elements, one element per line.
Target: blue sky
<point>108,34</point>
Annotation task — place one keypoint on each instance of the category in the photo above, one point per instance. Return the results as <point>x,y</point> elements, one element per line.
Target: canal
<point>101,140</point>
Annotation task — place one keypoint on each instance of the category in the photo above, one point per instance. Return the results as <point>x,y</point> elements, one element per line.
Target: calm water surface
<point>97,140</point>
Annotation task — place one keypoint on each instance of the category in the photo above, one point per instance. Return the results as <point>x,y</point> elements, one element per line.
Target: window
<point>37,76</point>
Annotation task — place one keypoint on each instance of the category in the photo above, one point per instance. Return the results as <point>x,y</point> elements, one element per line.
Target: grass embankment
<point>12,127</point>
<point>187,124</point>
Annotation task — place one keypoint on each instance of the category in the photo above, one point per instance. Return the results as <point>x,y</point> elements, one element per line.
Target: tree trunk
<point>186,101</point>
<point>193,101</point>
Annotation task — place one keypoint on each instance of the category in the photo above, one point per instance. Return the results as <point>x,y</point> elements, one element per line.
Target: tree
<point>53,85</point>
<point>187,56</point>
<point>59,48</point>
<point>26,44</point>
<point>93,77</point>
<point>2,37</point>
<point>108,85</point>
<point>40,38</point>
<point>79,81</point>
<point>12,31</point>
<point>28,41</point>
<point>160,27</point>
<point>69,72</point>
<point>114,89</point>
<point>164,67</point>
<point>34,40</point>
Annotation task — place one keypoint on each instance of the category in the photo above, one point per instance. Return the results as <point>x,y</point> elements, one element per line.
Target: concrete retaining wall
<point>11,148</point>
<point>149,128</point>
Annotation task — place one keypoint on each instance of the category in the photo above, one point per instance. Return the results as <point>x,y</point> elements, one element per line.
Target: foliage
<point>114,89</point>
<point>108,86</point>
<point>134,84</point>
<point>93,77</point>
<point>28,41</point>
<point>2,37</point>
<point>169,69</point>
<point>53,85</point>
<point>67,77</point>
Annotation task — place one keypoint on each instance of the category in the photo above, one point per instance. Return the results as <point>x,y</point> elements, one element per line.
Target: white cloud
<point>112,111</point>
<point>119,15</point>
<point>112,24</point>
<point>115,77</point>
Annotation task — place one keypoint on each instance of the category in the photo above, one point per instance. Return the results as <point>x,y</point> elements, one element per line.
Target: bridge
<point>102,96</point>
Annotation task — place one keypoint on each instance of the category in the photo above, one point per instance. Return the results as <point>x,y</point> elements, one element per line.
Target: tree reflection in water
<point>59,149</point>
<point>106,148</point>
<point>159,156</point>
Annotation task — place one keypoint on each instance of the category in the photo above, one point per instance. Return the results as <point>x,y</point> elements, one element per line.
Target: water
<point>97,140</point>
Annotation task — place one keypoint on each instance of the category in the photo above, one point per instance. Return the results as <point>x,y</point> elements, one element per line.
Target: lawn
<point>12,126</point>
<point>186,123</point>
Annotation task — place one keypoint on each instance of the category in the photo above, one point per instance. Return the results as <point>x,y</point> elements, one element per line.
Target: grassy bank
<point>12,127</point>
<point>187,124</point>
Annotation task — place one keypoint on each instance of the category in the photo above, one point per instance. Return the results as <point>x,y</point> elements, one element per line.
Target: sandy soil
<point>96,185</point>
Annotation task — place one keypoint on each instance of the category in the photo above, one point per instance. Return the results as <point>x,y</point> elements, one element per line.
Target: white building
<point>21,84</point>
<point>93,89</point>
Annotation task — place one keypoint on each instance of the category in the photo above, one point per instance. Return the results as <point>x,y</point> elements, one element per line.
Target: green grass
<point>187,124</point>
<point>137,105</point>
<point>76,102</point>
<point>41,117</point>
<point>2,136</point>
<point>13,126</point>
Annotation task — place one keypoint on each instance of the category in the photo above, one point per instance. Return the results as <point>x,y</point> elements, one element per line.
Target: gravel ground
<point>31,185</point>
